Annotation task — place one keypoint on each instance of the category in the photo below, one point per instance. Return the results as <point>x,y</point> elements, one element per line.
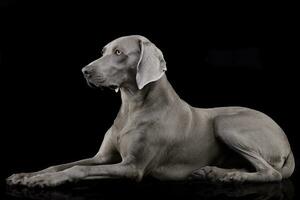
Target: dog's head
<point>130,60</point>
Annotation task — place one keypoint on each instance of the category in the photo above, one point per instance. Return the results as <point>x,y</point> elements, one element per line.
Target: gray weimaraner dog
<point>158,134</point>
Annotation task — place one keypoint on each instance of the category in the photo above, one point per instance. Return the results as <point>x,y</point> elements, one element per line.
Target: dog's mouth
<point>95,83</point>
<point>99,85</point>
<point>91,84</point>
<point>114,87</point>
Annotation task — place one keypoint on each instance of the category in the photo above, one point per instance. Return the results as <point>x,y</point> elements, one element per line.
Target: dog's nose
<point>86,71</point>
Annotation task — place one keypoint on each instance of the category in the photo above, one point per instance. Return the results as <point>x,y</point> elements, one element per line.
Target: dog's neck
<point>156,93</point>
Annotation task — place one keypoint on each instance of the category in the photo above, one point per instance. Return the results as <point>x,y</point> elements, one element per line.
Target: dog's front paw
<point>17,179</point>
<point>47,180</point>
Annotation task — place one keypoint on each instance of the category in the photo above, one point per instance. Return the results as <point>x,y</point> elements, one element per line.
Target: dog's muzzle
<point>96,82</point>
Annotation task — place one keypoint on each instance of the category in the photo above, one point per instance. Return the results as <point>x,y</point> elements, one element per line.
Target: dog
<point>158,134</point>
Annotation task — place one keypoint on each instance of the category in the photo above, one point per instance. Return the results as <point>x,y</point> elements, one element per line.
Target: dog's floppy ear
<point>151,65</point>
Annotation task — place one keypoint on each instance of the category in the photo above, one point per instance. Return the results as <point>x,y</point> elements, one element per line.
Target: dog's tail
<point>288,166</point>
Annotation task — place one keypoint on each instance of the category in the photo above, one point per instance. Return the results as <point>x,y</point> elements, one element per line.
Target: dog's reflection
<point>153,190</point>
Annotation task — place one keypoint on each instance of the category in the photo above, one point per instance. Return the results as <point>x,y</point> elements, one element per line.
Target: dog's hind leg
<point>212,173</point>
<point>257,140</point>
<point>264,172</point>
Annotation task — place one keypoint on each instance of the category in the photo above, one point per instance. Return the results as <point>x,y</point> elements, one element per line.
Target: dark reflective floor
<point>122,189</point>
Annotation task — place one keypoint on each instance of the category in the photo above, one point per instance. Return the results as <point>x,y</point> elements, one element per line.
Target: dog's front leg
<point>20,178</point>
<point>106,155</point>
<point>76,173</point>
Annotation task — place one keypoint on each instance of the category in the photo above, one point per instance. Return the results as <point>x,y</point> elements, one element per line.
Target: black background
<point>217,55</point>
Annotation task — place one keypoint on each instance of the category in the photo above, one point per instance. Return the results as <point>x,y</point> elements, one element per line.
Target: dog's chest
<point>129,134</point>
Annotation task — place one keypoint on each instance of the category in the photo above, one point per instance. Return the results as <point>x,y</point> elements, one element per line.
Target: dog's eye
<point>118,52</point>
